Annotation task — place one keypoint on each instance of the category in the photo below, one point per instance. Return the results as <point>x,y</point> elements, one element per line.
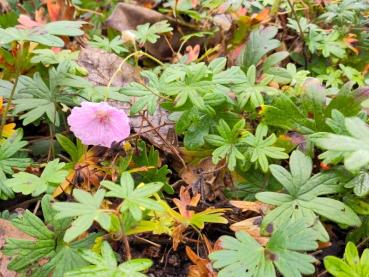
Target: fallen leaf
<point>192,53</point>
<point>256,206</point>
<point>101,66</point>
<point>205,178</point>
<point>4,6</point>
<point>252,227</point>
<point>201,267</point>
<point>127,17</point>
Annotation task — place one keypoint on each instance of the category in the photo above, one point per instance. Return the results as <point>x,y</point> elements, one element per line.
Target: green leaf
<point>39,100</point>
<point>27,183</point>
<point>150,33</point>
<point>106,265</point>
<point>360,183</point>
<point>134,199</point>
<point>354,147</point>
<point>115,45</point>
<point>47,244</point>
<point>261,149</point>
<point>282,253</point>
<point>302,201</point>
<point>8,151</point>
<point>351,265</point>
<point>229,143</point>
<point>87,211</point>
<point>260,42</point>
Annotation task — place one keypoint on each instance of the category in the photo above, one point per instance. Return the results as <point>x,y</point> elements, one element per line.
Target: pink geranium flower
<point>99,124</point>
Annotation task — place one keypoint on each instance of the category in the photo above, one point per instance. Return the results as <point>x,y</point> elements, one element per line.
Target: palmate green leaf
<point>250,91</point>
<point>302,198</point>
<point>282,253</point>
<point>150,33</point>
<point>115,45</point>
<point>134,198</point>
<point>354,147</point>
<point>351,265</point>
<point>8,151</point>
<point>87,211</point>
<point>147,95</point>
<point>228,143</point>
<point>106,265</point>
<point>359,183</point>
<point>38,100</point>
<point>48,245</point>
<point>261,149</point>
<point>150,157</point>
<point>286,114</point>
<point>27,183</point>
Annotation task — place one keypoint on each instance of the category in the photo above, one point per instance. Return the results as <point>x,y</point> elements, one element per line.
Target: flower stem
<point>136,53</point>
<point>6,110</point>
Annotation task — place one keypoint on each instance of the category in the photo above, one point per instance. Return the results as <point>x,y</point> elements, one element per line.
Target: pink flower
<point>99,124</point>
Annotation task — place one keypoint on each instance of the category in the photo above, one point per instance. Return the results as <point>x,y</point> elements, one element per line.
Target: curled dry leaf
<point>85,173</point>
<point>252,227</point>
<point>256,206</point>
<point>205,178</point>
<point>60,9</point>
<point>201,267</point>
<point>192,53</point>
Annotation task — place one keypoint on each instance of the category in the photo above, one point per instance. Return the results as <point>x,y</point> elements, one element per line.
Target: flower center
<point>102,116</point>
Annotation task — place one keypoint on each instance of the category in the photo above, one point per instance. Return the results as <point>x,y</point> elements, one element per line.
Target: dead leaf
<point>60,9</point>
<point>205,178</point>
<point>201,267</point>
<point>192,53</point>
<point>128,17</point>
<point>252,227</point>
<point>256,206</point>
<point>185,201</point>
<point>350,40</point>
<point>85,173</point>
<point>8,230</point>
<point>224,21</point>
<point>101,66</point>
<point>4,6</point>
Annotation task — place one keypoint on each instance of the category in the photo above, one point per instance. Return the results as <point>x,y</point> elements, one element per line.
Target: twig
<point>6,110</point>
<point>136,53</point>
<point>148,241</point>
<point>302,36</point>
<point>175,151</point>
<point>37,206</point>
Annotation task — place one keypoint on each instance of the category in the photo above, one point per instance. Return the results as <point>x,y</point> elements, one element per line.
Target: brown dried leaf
<point>256,206</point>
<point>185,201</point>
<point>201,268</point>
<point>128,17</point>
<point>205,178</point>
<point>252,227</point>
<point>101,66</point>
<point>4,6</point>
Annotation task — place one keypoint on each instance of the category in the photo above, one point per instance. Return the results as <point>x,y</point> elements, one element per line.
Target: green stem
<point>302,36</point>
<point>6,110</point>
<point>138,53</point>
